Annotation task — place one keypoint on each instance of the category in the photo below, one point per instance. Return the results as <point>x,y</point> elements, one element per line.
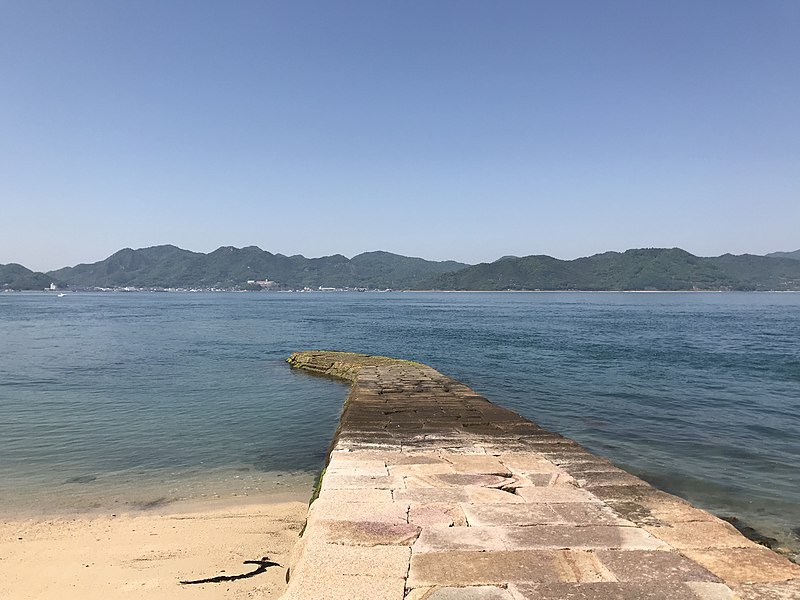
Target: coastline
<point>149,552</point>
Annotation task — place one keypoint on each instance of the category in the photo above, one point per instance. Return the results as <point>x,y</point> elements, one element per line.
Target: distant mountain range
<point>240,268</point>
<point>643,269</point>
<point>795,255</point>
<point>228,267</point>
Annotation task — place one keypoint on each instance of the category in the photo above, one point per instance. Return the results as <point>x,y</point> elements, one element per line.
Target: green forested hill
<point>229,267</point>
<point>642,269</point>
<point>17,277</point>
<point>168,266</point>
<point>795,255</point>
<point>760,272</point>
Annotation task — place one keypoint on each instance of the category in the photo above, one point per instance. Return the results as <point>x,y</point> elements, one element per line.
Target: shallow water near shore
<point>142,399</point>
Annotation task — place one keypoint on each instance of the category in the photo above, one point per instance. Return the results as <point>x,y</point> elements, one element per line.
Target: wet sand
<point>147,554</point>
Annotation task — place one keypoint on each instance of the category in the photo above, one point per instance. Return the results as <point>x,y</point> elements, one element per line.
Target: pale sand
<point>147,554</point>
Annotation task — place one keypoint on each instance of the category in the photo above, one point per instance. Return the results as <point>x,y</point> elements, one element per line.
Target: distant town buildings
<point>264,283</point>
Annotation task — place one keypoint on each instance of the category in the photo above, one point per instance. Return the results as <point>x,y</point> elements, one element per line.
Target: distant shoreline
<point>253,269</point>
<point>218,291</point>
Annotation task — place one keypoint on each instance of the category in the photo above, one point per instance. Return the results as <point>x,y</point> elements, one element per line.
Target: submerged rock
<point>753,534</point>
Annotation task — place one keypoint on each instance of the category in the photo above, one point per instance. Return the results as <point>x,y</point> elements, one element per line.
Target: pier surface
<point>432,492</point>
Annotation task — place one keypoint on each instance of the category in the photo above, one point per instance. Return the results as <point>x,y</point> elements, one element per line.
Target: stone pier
<point>432,492</point>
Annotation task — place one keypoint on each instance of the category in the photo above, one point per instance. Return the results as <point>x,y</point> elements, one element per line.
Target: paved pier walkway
<point>434,493</point>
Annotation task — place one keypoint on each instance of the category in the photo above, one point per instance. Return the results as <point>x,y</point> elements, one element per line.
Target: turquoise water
<point>138,399</point>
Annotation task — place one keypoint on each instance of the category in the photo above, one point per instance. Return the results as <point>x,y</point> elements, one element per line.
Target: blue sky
<point>465,130</point>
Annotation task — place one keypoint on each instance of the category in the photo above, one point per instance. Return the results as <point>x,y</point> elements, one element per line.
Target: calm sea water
<point>138,399</point>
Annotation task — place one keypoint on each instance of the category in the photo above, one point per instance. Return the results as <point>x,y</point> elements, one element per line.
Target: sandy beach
<point>147,554</point>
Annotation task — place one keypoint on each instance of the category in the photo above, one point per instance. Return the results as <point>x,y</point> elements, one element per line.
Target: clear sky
<point>465,130</point>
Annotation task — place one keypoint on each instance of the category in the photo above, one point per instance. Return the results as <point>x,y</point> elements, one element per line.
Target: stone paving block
<point>483,592</point>
<point>345,587</point>
<point>356,496</point>
<point>459,449</point>
<point>558,493</point>
<point>593,479</point>
<point>746,565</point>
<point>676,511</point>
<point>480,568</point>
<point>482,495</point>
<point>635,512</point>
<point>322,560</point>
<point>510,514</point>
<point>342,481</point>
<point>587,513</point>
<point>783,590</point>
<point>421,470</point>
<point>541,479</point>
<point>360,445</point>
<point>446,539</point>
<point>476,464</point>
<point>437,515</point>
<point>415,459</point>
<point>593,465</point>
<point>366,533</point>
<point>370,468</point>
<point>384,512</point>
<point>570,536</point>
<point>528,463</point>
<point>452,480</point>
<point>498,445</point>
<point>431,495</point>
<point>704,534</point>
<point>617,591</point>
<point>705,590</point>
<point>464,568</point>
<point>627,493</point>
<point>653,566</point>
<point>475,479</point>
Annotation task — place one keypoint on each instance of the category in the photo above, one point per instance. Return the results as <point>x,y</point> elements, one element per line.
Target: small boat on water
<point>61,295</point>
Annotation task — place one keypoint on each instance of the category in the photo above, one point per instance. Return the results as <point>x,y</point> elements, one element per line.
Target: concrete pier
<point>432,492</point>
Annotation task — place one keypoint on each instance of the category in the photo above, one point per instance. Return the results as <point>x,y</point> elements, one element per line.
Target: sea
<point>129,401</point>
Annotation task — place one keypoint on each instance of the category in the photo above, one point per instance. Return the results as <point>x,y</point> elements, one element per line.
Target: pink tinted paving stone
<point>368,533</point>
<point>443,539</point>
<point>434,493</point>
<point>437,515</point>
